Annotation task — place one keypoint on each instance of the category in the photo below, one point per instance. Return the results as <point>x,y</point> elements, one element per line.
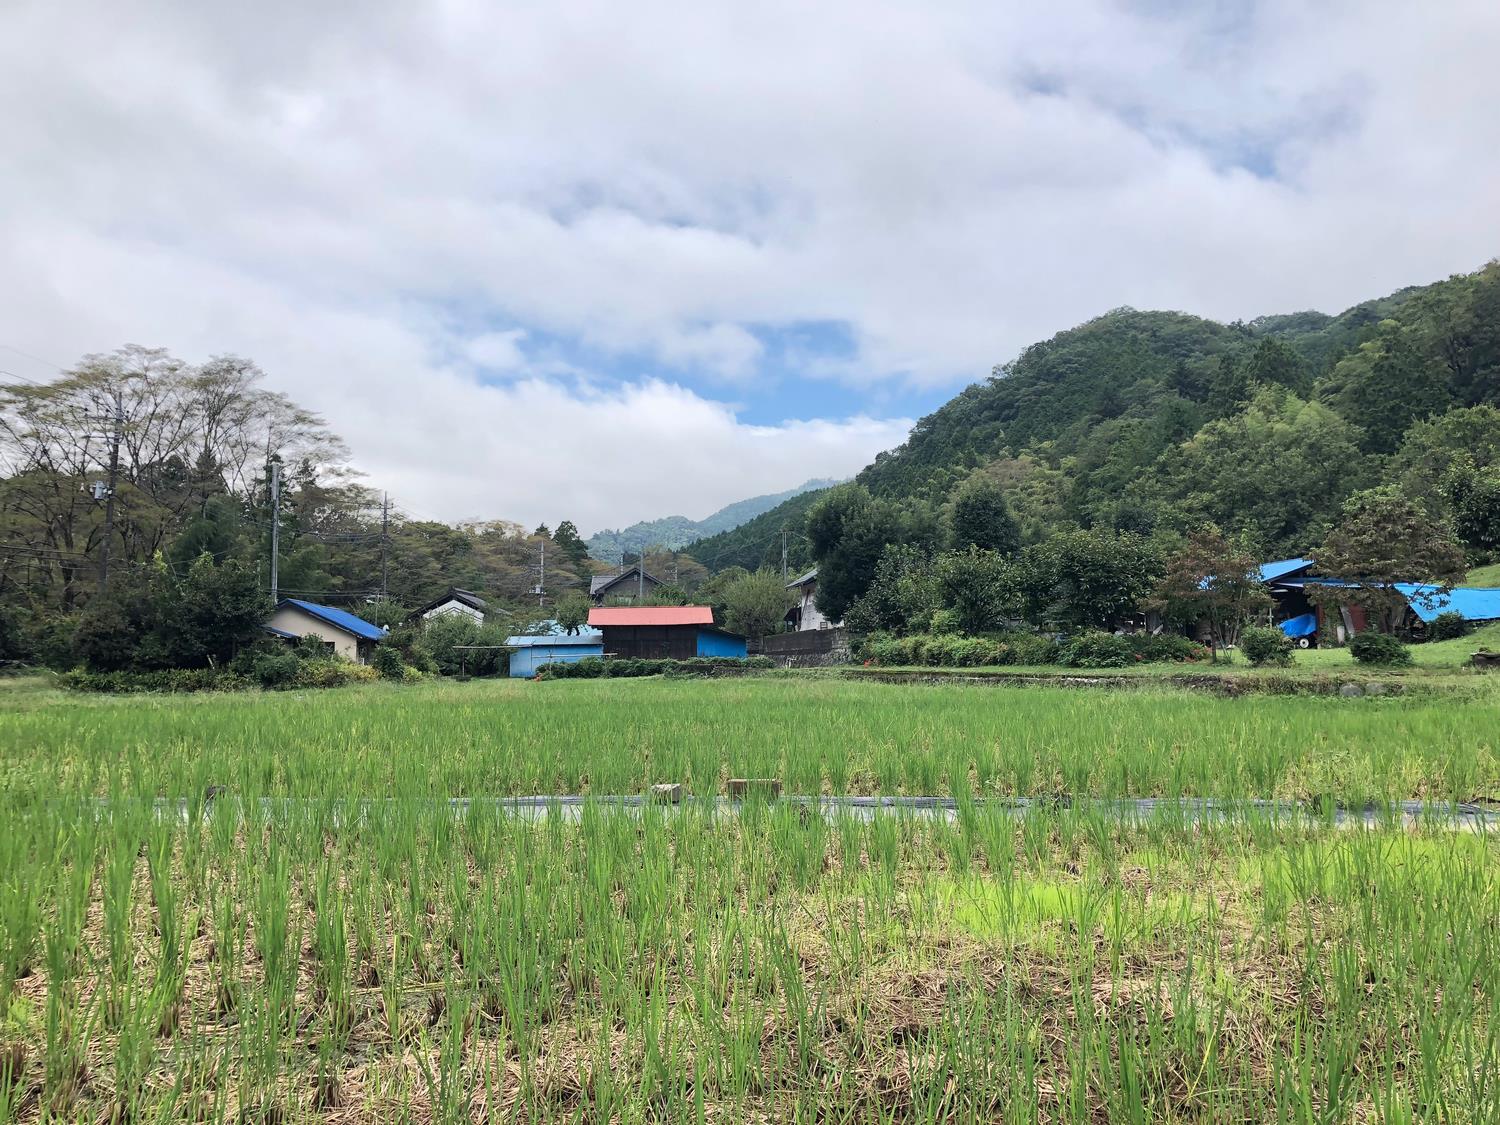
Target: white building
<point>805,614</point>
<point>462,603</point>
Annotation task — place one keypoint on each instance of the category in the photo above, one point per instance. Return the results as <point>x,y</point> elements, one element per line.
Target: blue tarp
<point>1472,603</point>
<point>1281,568</point>
<point>1304,626</point>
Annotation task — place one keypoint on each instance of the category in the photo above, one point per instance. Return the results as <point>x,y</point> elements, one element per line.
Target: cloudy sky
<point>609,261</point>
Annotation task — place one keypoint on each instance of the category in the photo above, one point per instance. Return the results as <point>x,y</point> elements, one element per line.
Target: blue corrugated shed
<point>1472,603</point>
<point>552,648</point>
<point>720,642</point>
<point>339,618</point>
<point>584,637</point>
<point>550,628</point>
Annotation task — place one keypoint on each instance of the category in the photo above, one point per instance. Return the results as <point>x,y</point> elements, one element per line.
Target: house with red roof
<point>657,632</point>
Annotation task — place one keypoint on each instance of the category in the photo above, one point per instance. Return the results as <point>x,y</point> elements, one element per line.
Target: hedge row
<point>269,674</point>
<point>597,667</point>
<point>1086,650</point>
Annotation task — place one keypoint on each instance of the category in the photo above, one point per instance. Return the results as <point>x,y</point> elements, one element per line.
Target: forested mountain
<point>1147,420</point>
<point>676,532</point>
<point>757,542</point>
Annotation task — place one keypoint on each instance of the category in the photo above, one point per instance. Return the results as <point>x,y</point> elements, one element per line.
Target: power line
<point>29,355</point>
<point>22,378</point>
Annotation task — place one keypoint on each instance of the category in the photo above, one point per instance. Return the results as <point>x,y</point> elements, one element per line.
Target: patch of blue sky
<point>806,369</point>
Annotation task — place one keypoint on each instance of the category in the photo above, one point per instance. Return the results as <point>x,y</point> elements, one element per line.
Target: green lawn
<point>1484,575</point>
<point>1436,655</point>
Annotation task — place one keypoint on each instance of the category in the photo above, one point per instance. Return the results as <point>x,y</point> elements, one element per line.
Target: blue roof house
<point>555,645</point>
<point>348,636</point>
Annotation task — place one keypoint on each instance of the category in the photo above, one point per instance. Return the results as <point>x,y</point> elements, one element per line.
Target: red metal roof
<point>651,615</point>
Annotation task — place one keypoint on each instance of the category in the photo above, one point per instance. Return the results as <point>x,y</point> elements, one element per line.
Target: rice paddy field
<point>264,908</point>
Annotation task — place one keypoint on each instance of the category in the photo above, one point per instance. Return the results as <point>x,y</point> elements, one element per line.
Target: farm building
<point>630,585</point>
<point>553,646</point>
<point>1288,580</point>
<point>456,603</point>
<point>1475,604</point>
<point>678,632</point>
<point>805,614</point>
<point>346,635</point>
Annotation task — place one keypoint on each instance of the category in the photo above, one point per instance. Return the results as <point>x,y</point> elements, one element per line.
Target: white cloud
<point>496,351</point>
<point>356,195</point>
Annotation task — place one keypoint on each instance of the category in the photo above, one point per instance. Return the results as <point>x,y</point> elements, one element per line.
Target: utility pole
<point>385,542</point>
<point>275,524</point>
<point>783,555</point>
<point>640,575</point>
<point>117,434</point>
<point>541,577</point>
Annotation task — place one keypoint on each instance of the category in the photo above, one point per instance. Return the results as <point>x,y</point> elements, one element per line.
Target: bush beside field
<point>1086,650</point>
<point>596,667</point>
<point>278,675</point>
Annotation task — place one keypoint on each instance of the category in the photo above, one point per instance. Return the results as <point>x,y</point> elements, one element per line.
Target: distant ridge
<point>675,532</point>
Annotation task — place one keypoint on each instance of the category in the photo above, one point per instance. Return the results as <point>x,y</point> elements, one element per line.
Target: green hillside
<point>1161,420</point>
<point>757,542</point>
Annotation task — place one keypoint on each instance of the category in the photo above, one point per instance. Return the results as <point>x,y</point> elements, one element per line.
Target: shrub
<point>387,663</point>
<point>593,667</point>
<point>161,680</point>
<point>266,668</point>
<point>1097,650</point>
<point>1379,648</point>
<point>944,622</point>
<point>1028,648</point>
<point>333,673</point>
<point>1169,648</point>
<point>1266,647</point>
<point>276,669</point>
<point>1449,626</point>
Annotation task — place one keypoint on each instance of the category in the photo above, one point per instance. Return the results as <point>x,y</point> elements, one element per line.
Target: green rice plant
<point>272,932</point>
<point>134,1052</point>
<point>449,1090</point>
<point>174,926</point>
<point>592,962</point>
<point>119,923</point>
<point>332,978</point>
<point>20,915</point>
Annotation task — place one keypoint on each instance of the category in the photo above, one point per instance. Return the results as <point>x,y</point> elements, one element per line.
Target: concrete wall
<point>813,648</point>
<point>525,661</point>
<point>290,619</point>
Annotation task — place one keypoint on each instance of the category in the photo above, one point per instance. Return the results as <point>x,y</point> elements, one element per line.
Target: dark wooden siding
<point>651,642</point>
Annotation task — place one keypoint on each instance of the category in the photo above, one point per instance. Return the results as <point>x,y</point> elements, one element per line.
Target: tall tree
<point>1387,384</point>
<point>902,595</point>
<point>980,517</point>
<point>755,604</point>
<point>571,543</point>
<point>1086,579</point>
<point>974,583</point>
<point>1473,497</point>
<point>849,531</point>
<point>1384,537</point>
<point>1213,579</point>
